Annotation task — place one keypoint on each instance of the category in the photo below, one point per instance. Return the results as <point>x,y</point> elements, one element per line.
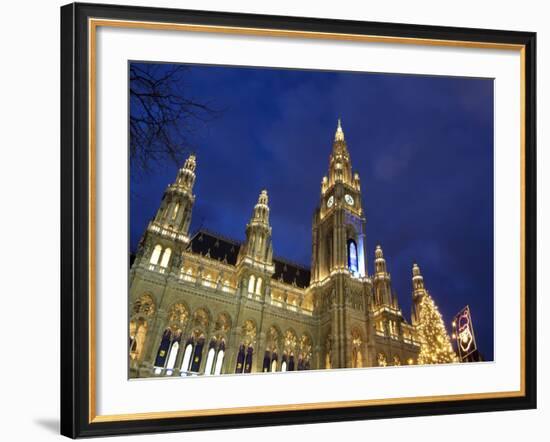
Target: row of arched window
<point>156,256</point>
<point>287,363</point>
<point>255,285</point>
<point>192,355</point>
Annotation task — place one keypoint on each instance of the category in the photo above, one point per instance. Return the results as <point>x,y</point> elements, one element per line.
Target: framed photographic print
<point>279,220</point>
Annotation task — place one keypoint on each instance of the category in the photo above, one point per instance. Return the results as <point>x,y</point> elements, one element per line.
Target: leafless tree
<point>163,114</point>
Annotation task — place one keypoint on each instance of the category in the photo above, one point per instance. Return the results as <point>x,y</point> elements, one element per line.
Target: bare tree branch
<point>162,114</point>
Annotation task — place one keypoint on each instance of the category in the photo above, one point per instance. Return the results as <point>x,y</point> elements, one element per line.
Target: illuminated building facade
<point>205,304</point>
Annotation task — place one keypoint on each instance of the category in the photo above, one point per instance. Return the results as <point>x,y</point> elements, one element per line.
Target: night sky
<point>422,145</point>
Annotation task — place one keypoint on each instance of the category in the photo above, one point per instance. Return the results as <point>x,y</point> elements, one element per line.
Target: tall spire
<point>418,280</point>
<point>340,162</point>
<point>339,135</point>
<point>419,292</point>
<point>382,280</point>
<point>257,246</point>
<point>379,261</point>
<point>186,175</point>
<point>261,210</point>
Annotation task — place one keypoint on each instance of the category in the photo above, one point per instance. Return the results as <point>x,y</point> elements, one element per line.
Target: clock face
<point>349,199</point>
<point>330,201</point>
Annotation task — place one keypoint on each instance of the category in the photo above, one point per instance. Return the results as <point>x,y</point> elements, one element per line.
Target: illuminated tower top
<point>257,247</point>
<point>261,211</point>
<point>418,281</point>
<point>186,175</point>
<point>418,292</point>
<point>340,161</point>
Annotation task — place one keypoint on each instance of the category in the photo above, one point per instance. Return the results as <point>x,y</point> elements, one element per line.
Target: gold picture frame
<point>79,27</point>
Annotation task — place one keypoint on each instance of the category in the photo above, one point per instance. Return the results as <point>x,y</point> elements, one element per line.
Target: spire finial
<point>190,162</point>
<point>339,135</point>
<point>263,198</point>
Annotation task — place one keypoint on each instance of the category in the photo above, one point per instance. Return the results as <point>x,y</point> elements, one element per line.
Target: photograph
<point>286,220</point>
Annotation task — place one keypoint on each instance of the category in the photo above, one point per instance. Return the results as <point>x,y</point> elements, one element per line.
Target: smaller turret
<point>382,280</point>
<point>418,291</point>
<point>257,246</point>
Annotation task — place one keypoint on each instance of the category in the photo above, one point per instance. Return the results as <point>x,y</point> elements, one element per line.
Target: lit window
<point>259,286</point>
<point>219,362</point>
<point>156,254</point>
<point>187,358</point>
<point>209,361</point>
<point>162,353</point>
<point>248,360</point>
<point>352,256</point>
<point>197,356</point>
<point>175,213</point>
<point>251,284</point>
<point>240,360</point>
<point>166,257</point>
<point>172,357</point>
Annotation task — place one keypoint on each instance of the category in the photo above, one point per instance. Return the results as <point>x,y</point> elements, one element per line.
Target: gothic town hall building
<point>208,305</point>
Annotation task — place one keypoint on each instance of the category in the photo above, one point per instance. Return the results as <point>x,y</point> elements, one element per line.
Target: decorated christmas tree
<point>435,345</point>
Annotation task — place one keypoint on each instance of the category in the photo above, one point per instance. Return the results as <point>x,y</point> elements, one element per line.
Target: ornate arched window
<point>166,257</point>
<point>172,357</point>
<point>248,359</point>
<point>353,262</point>
<point>382,361</point>
<point>274,362</point>
<point>291,363</point>
<point>210,360</point>
<point>240,360</point>
<point>259,286</point>
<point>284,363</point>
<point>155,255</point>
<point>219,358</point>
<point>162,353</point>
<point>197,355</point>
<point>187,357</point>
<point>251,281</point>
<point>267,361</point>
<point>219,362</point>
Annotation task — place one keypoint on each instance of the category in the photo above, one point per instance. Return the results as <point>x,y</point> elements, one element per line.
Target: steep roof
<point>223,249</point>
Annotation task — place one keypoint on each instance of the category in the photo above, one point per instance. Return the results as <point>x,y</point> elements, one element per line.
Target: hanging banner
<point>463,333</point>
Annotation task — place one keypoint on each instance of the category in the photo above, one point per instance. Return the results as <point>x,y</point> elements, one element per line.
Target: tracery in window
<point>155,255</point>
<point>166,257</point>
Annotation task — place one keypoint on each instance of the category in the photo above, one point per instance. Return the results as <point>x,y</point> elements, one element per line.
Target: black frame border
<point>75,220</point>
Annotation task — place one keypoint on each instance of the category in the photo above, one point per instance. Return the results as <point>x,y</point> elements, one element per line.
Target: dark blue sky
<point>423,147</point>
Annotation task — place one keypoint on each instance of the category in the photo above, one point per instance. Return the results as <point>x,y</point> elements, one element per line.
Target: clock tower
<point>339,281</point>
<point>339,221</point>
